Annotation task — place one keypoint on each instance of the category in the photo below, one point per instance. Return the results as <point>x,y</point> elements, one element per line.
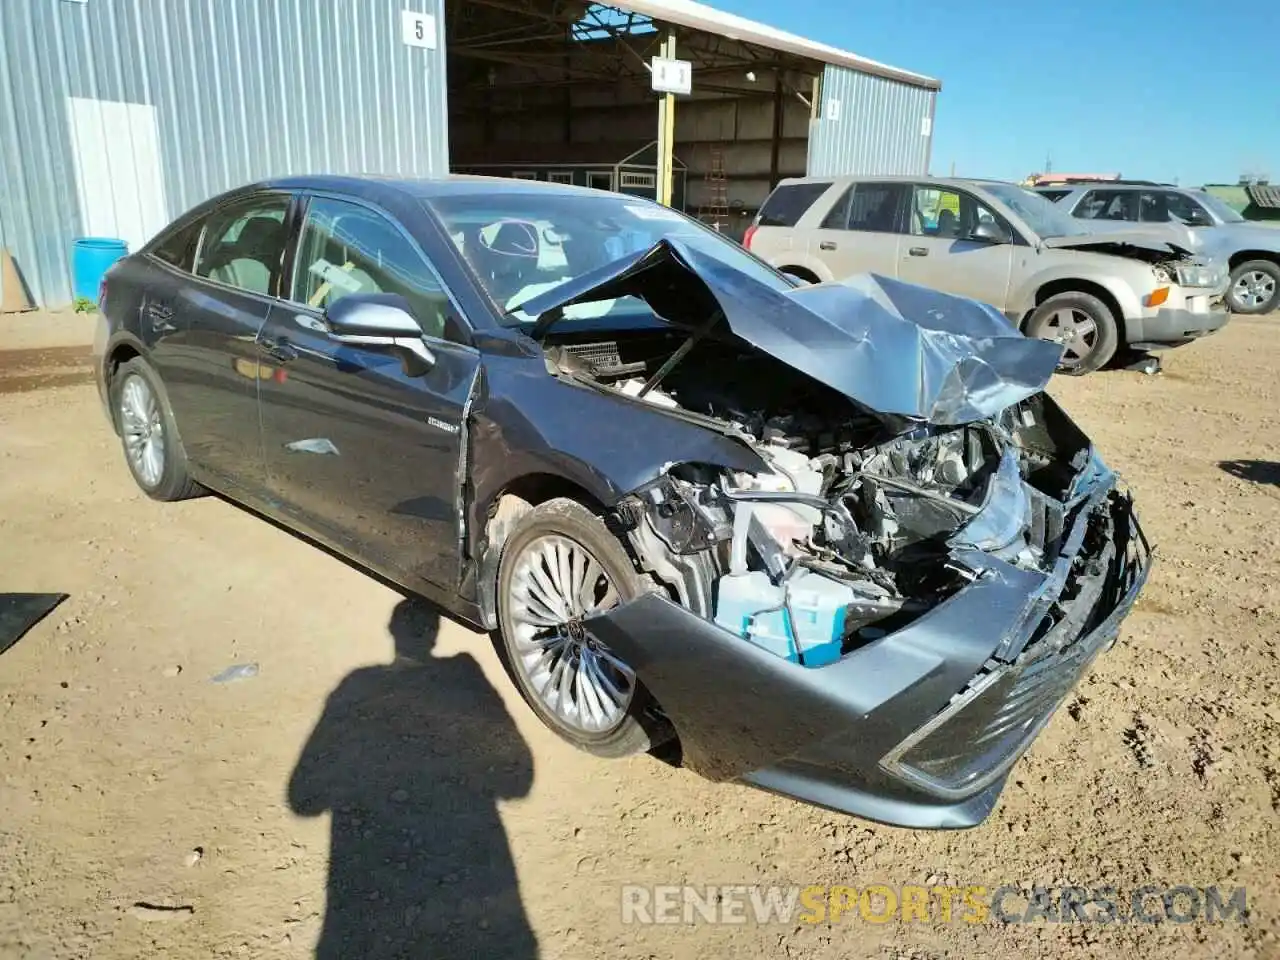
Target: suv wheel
<point>1255,287</point>
<point>1085,327</point>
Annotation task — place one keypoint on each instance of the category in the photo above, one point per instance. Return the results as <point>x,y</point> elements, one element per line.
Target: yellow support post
<point>666,131</point>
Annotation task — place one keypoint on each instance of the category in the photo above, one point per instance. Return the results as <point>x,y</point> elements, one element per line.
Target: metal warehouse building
<point>117,115</point>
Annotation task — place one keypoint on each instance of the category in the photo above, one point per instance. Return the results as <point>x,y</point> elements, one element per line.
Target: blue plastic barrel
<point>90,259</point>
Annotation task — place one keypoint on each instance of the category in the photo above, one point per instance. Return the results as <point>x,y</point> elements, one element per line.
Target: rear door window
<point>837,217</point>
<point>789,202</point>
<point>875,207</point>
<point>176,247</point>
<point>244,243</point>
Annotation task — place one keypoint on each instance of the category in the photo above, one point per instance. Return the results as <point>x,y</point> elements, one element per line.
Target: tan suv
<point>1000,244</point>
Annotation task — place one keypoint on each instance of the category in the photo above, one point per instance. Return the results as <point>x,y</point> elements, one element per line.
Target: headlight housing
<point>1200,275</point>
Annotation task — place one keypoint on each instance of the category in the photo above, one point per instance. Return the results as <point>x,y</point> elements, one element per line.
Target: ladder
<point>714,211</point>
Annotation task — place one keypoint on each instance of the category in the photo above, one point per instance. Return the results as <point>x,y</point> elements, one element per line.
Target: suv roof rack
<point>1072,181</point>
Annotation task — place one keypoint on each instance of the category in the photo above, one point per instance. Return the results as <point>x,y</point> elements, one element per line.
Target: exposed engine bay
<point>856,527</point>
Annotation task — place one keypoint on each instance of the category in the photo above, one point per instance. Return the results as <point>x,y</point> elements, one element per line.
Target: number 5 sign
<point>418,29</point>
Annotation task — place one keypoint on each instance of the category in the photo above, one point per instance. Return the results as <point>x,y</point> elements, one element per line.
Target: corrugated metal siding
<point>869,125</point>
<point>243,89</point>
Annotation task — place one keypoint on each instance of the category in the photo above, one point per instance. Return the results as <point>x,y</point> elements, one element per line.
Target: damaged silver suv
<point>833,541</point>
<point>1003,245</point>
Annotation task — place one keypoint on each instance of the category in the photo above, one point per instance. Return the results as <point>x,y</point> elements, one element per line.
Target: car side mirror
<point>380,321</point>
<point>989,231</point>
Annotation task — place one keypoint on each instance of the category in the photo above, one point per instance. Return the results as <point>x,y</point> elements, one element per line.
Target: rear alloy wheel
<point>1085,327</point>
<point>152,448</point>
<point>560,567</point>
<point>1255,287</point>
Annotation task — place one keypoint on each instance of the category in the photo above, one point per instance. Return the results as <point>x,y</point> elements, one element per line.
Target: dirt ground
<point>339,779</point>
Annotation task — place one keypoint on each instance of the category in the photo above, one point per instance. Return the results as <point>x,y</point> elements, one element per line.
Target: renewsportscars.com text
<point>974,904</point>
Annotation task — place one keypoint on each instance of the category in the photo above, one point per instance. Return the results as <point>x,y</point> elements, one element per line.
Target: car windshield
<point>1220,208</point>
<point>1035,211</point>
<point>522,244</point>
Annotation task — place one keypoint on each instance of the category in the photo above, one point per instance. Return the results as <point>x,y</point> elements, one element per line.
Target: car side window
<point>243,244</point>
<point>874,207</point>
<point>175,248</point>
<point>1185,209</point>
<point>347,248</point>
<point>837,217</point>
<point>947,214</point>
<point>789,202</point>
<point>1108,205</point>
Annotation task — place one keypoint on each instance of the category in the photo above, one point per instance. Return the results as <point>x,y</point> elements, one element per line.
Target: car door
<point>860,233</point>
<point>204,327</point>
<point>359,451</point>
<point>941,250</point>
<point>1174,215</point>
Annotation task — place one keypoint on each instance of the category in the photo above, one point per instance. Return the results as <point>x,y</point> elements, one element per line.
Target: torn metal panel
<point>893,348</point>
<point>1115,241</point>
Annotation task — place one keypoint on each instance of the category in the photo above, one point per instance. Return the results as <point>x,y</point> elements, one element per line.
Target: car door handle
<point>827,245</point>
<point>919,251</point>
<point>281,351</point>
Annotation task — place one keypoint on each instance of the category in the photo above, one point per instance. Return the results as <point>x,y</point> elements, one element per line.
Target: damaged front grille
<point>1046,520</point>
<point>986,727</point>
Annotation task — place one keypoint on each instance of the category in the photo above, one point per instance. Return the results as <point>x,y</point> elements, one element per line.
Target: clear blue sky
<point>1154,89</point>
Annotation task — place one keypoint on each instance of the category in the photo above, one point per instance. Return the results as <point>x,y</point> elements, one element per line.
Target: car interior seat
<point>250,262</point>
<point>947,223</point>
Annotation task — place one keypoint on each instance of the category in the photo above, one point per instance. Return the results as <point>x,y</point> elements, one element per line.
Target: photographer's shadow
<point>411,758</point>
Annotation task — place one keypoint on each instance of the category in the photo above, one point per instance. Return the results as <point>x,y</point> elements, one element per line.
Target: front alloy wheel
<point>1083,325</point>
<point>557,584</point>
<point>560,567</point>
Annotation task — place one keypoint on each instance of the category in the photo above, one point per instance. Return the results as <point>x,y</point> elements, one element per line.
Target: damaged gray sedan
<point>834,541</point>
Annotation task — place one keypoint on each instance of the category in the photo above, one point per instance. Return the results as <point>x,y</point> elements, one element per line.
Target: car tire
<point>1254,287</point>
<point>798,273</point>
<point>1093,323</point>
<point>148,434</point>
<point>571,681</point>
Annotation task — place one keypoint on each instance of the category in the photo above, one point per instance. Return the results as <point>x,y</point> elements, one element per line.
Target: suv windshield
<point>1220,208</point>
<point>1035,211</point>
<point>522,244</point>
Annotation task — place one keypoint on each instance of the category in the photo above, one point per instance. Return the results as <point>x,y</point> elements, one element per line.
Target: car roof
<point>1113,185</point>
<point>370,186</point>
<point>843,179</point>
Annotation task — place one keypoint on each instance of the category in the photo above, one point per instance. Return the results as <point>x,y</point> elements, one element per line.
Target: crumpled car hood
<point>893,348</point>
<point>1115,238</point>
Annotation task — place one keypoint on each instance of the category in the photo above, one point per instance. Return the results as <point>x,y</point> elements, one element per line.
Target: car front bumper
<point>919,728</point>
<point>1174,326</point>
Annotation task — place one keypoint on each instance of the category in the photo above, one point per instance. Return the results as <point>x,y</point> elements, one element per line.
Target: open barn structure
<point>118,115</point>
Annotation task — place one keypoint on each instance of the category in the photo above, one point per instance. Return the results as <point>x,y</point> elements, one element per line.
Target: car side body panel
<point>1039,270</point>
